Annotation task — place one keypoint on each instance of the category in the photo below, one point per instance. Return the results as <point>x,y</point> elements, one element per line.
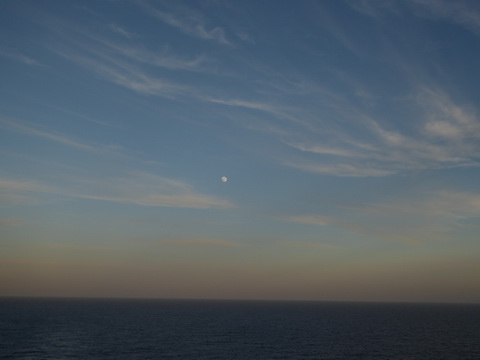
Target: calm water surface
<point>181,329</point>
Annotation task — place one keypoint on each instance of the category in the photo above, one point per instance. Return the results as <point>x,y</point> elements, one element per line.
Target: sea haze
<point>47,328</point>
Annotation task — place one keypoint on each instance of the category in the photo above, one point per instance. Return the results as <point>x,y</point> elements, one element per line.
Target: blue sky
<point>349,132</point>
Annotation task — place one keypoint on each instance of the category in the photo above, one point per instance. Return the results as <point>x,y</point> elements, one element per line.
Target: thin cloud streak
<point>448,206</point>
<point>165,59</point>
<point>19,57</point>
<point>448,137</point>
<point>445,118</point>
<point>126,75</point>
<point>433,218</point>
<point>191,201</point>
<point>22,192</point>
<point>152,190</point>
<point>343,170</point>
<point>244,104</point>
<point>188,21</point>
<point>140,189</point>
<point>23,185</point>
<point>463,13</point>
<point>120,30</point>
<point>57,138</point>
<point>466,14</point>
<point>123,63</point>
<point>72,40</point>
<point>78,115</point>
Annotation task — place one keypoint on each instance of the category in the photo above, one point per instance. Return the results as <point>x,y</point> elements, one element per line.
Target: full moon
<point>224,179</point>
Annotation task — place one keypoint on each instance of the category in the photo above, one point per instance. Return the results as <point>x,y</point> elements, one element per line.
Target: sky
<point>349,132</point>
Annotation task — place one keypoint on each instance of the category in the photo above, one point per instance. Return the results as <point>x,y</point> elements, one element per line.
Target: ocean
<point>33,328</point>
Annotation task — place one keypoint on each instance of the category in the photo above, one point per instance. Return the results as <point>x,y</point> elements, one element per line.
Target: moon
<point>224,179</point>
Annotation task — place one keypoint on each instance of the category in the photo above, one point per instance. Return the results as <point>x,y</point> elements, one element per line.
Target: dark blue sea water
<point>182,329</point>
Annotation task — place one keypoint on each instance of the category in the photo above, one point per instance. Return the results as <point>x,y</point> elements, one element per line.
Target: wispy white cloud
<point>447,206</point>
<point>444,134</point>
<point>151,190</point>
<point>132,66</point>
<point>435,217</point>
<point>57,138</point>
<point>441,131</point>
<point>373,8</point>
<point>282,114</point>
<point>461,12</point>
<point>464,13</point>
<point>125,62</point>
<point>21,192</point>
<point>77,115</point>
<point>339,32</point>
<point>23,185</point>
<point>245,104</point>
<point>164,58</point>
<point>72,40</point>
<point>194,201</point>
<point>445,118</point>
<point>337,134</point>
<point>187,20</point>
<point>19,57</point>
<point>120,30</point>
<point>346,170</point>
<point>322,149</point>
<point>140,189</point>
<point>126,75</point>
